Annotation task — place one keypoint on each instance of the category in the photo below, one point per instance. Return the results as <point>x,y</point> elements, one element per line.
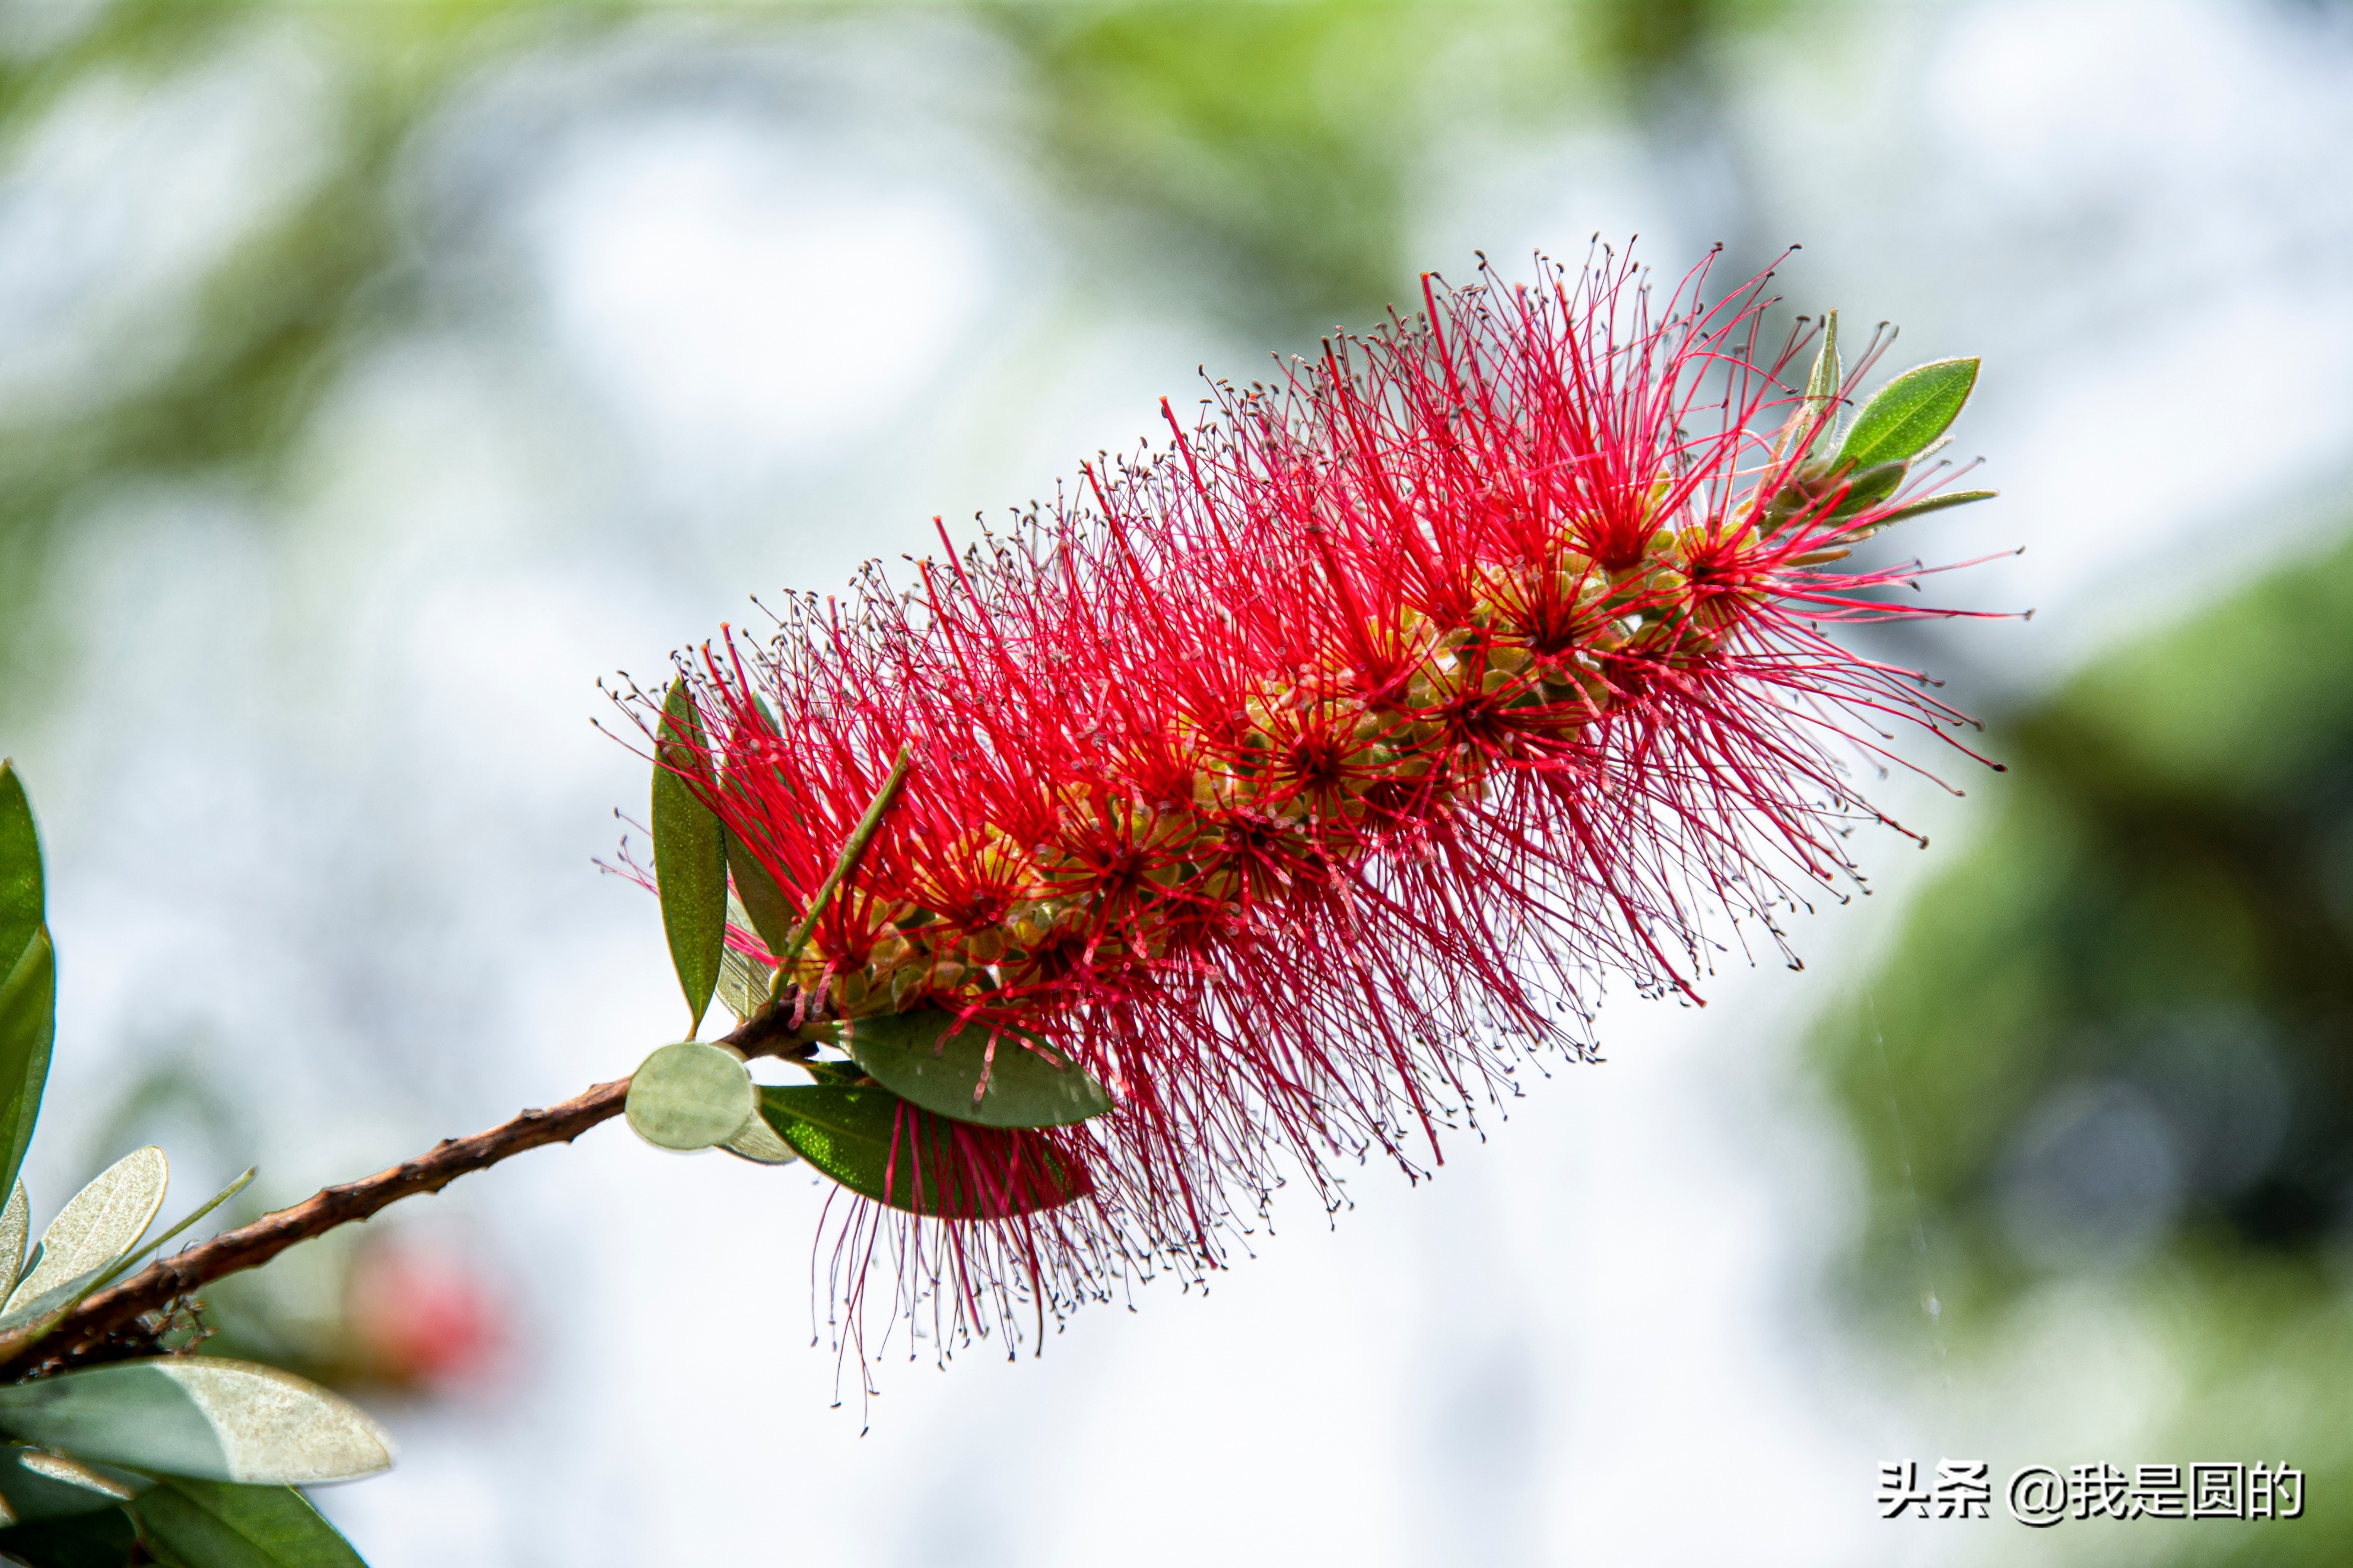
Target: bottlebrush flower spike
<point>1295,777</point>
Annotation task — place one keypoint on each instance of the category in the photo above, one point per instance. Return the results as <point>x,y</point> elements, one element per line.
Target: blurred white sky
<point>323,788</point>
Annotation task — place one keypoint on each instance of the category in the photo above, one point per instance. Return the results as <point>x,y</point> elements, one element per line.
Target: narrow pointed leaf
<point>852,847</point>
<point>1009,1080</point>
<point>103,1221</point>
<point>209,1524</point>
<point>20,866</point>
<point>693,1095</point>
<point>101,1540</point>
<point>769,912</point>
<point>204,1417</point>
<point>877,1144</point>
<point>1936,503</point>
<point>1823,385</point>
<point>38,1485</point>
<point>122,1265</point>
<point>27,1003</point>
<point>689,853</point>
<point>69,1471</point>
<point>1907,413</point>
<point>29,1018</point>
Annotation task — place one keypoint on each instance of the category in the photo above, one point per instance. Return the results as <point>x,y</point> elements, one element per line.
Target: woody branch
<point>251,1245</point>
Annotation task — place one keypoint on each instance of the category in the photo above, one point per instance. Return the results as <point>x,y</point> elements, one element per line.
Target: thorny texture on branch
<point>89,1332</point>
<point>1297,777</point>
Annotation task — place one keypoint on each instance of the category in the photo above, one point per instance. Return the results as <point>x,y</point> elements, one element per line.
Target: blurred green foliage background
<point>2111,1053</point>
<point>2115,1041</point>
<point>1252,157</point>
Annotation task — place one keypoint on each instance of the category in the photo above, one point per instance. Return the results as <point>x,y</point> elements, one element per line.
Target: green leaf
<point>852,847</point>
<point>121,1266</point>
<point>925,1057</point>
<point>102,1224</point>
<point>207,1524</point>
<point>1823,385</point>
<point>765,904</point>
<point>1868,487</point>
<point>28,1017</point>
<point>1908,413</point>
<point>1936,503</point>
<point>39,1485</point>
<point>689,853</point>
<point>204,1417</point>
<point>693,1095</point>
<point>102,1539</point>
<point>20,866</point>
<point>15,1229</point>
<point>743,983</point>
<point>875,1143</point>
<point>758,1142</point>
<point>53,1301</point>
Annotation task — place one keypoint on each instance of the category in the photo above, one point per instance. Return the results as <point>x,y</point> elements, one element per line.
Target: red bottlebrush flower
<point>1293,777</point>
<point>422,1316</point>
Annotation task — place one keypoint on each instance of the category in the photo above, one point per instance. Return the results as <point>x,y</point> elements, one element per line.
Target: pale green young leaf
<point>52,1302</point>
<point>67,1470</point>
<point>688,1096</point>
<point>122,1265</point>
<point>56,1299</point>
<point>759,1143</point>
<point>205,1416</point>
<point>103,1221</point>
<point>38,1485</point>
<point>743,980</point>
<point>15,1230</point>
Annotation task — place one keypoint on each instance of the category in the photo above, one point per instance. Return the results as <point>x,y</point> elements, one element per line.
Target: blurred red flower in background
<point>422,1316</point>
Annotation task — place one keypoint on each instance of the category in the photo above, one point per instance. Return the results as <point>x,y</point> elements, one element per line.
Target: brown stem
<point>251,1245</point>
